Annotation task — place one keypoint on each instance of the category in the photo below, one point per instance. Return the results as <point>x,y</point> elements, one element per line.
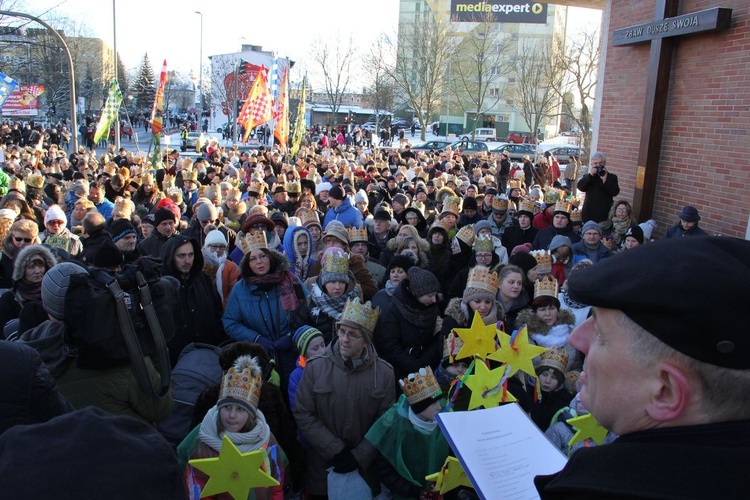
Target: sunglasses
<point>19,240</point>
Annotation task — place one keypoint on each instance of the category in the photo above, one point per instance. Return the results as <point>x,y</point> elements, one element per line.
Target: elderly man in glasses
<point>342,393</point>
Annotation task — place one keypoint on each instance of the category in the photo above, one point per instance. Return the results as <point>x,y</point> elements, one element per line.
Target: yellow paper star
<point>587,427</point>
<point>518,353</point>
<point>233,472</point>
<point>484,387</point>
<point>450,476</point>
<point>479,339</point>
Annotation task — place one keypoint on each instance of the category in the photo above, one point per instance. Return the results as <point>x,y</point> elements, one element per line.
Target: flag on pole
<point>157,112</point>
<point>300,127</point>
<point>109,112</point>
<point>258,108</point>
<point>7,86</point>
<point>275,80</point>
<point>281,131</point>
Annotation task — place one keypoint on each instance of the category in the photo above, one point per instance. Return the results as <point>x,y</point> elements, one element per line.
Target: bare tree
<point>221,89</point>
<point>536,75</point>
<point>380,91</point>
<point>331,69</point>
<point>423,49</point>
<point>579,62</point>
<point>477,69</point>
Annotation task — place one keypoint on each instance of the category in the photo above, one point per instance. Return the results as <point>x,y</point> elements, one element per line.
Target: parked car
<point>517,151</point>
<point>470,146</point>
<point>482,134</point>
<point>562,152</point>
<point>400,123</point>
<point>193,138</point>
<point>516,137</point>
<point>431,145</point>
<point>369,126</point>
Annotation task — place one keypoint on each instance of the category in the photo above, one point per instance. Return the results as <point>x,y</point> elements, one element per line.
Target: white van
<point>482,134</point>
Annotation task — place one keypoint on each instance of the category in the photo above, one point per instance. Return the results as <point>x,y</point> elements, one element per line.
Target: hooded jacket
<point>344,213</point>
<point>200,304</point>
<point>336,406</point>
<point>11,302</point>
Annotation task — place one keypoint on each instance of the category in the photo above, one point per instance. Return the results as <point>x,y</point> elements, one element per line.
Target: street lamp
<point>200,75</point>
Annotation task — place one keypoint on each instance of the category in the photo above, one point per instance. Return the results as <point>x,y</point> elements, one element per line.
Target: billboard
<point>499,11</point>
<point>23,101</point>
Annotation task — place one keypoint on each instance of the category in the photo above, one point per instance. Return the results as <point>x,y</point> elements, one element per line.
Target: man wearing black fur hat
<point>671,380</point>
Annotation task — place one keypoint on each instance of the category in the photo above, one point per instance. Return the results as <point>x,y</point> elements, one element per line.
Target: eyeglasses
<point>206,222</point>
<point>260,257</point>
<point>19,240</point>
<point>348,334</point>
<point>56,222</point>
<point>217,248</point>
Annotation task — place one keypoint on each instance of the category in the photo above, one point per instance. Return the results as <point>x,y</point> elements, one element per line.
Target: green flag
<point>109,111</point>
<point>300,127</point>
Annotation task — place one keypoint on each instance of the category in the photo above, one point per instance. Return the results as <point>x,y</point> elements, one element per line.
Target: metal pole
<point>234,104</point>
<point>114,61</point>
<point>200,76</point>
<point>71,71</point>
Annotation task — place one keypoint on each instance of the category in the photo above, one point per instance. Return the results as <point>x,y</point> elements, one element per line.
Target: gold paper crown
<point>418,205</point>
<point>480,277</point>
<point>452,345</point>
<point>243,382</point>
<point>255,240</point>
<point>562,206</point>
<point>293,187</point>
<point>484,244</point>
<point>123,205</point>
<point>360,314</point>
<point>190,175</point>
<point>167,182</point>
<point>212,192</point>
<point>148,179</point>
<point>185,163</point>
<point>500,203</point>
<point>110,169</point>
<point>542,256</point>
<point>546,287</point>
<point>309,217</point>
<point>514,184</point>
<point>466,234</point>
<point>555,357</point>
<point>16,184</point>
<point>256,187</point>
<point>337,262</point>
<point>420,386</point>
<point>476,171</point>
<point>451,206</point>
<point>552,196</point>
<point>526,206</point>
<point>175,194</point>
<point>357,234</point>
<point>576,216</point>
<point>35,181</point>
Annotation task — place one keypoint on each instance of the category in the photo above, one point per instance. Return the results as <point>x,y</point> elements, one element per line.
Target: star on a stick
<point>450,476</point>
<point>479,339</point>
<point>487,387</point>
<point>517,352</point>
<point>587,427</point>
<point>233,472</point>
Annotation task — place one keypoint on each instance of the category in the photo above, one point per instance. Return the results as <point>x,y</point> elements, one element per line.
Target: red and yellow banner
<point>157,113</point>
<point>281,131</point>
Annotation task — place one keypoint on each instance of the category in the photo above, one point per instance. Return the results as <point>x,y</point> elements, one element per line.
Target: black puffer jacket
<point>29,395</point>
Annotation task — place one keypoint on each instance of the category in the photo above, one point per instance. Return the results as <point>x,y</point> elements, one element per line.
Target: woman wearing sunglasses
<point>22,233</point>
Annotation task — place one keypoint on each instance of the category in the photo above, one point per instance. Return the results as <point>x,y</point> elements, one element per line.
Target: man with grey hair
<point>671,379</point>
<point>601,187</point>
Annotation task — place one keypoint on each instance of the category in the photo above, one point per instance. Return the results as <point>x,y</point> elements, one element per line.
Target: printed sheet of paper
<point>501,450</point>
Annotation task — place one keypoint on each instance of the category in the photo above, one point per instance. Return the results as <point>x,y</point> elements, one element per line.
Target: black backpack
<point>118,320</point>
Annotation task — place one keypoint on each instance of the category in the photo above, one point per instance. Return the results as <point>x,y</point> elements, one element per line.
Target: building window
<point>495,70</point>
<point>494,92</point>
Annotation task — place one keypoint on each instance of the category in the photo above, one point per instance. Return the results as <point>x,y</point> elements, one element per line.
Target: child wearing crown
<point>548,325</point>
<point>408,439</point>
<point>236,415</point>
<point>550,369</point>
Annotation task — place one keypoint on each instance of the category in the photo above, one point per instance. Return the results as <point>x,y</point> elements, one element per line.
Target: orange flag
<point>258,108</point>
<point>157,112</point>
<point>281,132</point>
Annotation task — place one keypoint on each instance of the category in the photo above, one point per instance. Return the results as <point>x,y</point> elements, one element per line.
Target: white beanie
<point>55,213</point>
<point>7,213</point>
<point>215,237</point>
<point>360,197</point>
<point>323,186</point>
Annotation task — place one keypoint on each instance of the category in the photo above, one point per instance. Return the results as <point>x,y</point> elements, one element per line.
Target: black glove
<point>344,461</point>
<point>283,344</point>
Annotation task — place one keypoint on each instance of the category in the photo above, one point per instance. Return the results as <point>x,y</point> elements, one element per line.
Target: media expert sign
<point>508,11</point>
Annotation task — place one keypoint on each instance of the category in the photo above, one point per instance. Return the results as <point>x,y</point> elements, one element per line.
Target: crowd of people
<point>329,288</point>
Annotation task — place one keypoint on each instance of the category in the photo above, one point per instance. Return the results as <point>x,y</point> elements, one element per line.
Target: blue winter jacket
<point>344,213</point>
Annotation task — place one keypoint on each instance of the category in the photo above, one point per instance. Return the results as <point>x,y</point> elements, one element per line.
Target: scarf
<point>326,304</point>
<point>28,292</point>
<point>251,440</point>
<point>285,281</point>
<point>390,288</point>
<point>489,319</point>
<point>557,336</point>
<point>572,304</point>
<point>424,426</point>
<point>620,227</point>
<point>213,266</point>
<point>424,318</point>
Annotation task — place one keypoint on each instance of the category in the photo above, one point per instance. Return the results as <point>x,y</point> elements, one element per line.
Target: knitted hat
<point>382,214</point>
<point>635,232</point>
<point>207,212</point>
<point>336,193</point>
<point>7,213</point>
<point>401,199</point>
<point>560,241</point>
<point>303,336</point>
<point>242,384</point>
<point>526,248</point>
<point>335,266</point>
<point>280,219</point>
<point>121,228</point>
<point>215,237</point>
<point>337,231</point>
<point>107,256</point>
<point>100,440</point>
<point>323,186</point>
<point>405,262</point>
<point>149,219</point>
<point>591,226</point>
<point>422,282</point>
<point>55,213</point>
<point>360,197</point>
<point>482,224</point>
<point>163,214</point>
<point>470,203</point>
<point>524,260</point>
<point>55,285</point>
<point>689,214</point>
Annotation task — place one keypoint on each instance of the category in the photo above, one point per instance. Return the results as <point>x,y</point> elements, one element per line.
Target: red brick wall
<point>705,157</point>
